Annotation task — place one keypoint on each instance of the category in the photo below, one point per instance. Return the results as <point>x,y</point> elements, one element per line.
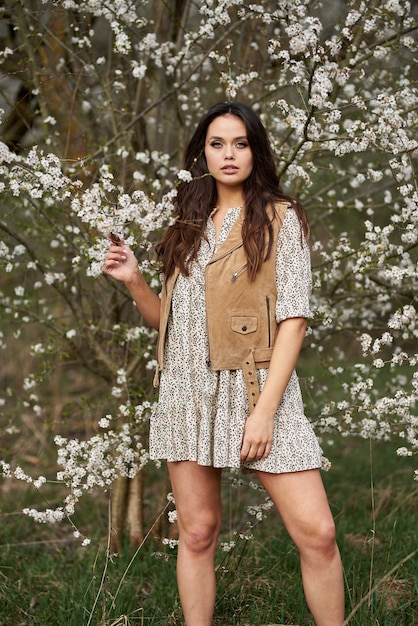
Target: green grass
<point>55,583</point>
<point>48,579</point>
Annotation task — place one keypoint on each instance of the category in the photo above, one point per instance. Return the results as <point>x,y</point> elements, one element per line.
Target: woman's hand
<point>257,437</point>
<point>121,263</point>
<point>258,430</point>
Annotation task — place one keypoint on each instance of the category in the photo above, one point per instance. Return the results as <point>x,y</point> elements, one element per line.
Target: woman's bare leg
<point>196,491</point>
<point>303,505</point>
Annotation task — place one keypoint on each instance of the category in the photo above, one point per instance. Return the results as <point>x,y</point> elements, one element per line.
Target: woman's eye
<point>239,144</point>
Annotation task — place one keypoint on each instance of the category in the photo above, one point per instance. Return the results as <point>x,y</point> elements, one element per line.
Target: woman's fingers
<point>257,437</point>
<point>120,262</point>
<point>116,253</point>
<point>114,257</point>
<point>255,451</point>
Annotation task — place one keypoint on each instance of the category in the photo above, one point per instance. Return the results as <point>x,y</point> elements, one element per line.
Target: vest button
<point>244,328</point>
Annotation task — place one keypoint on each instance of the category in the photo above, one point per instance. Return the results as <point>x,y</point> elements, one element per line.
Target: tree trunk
<point>134,511</point>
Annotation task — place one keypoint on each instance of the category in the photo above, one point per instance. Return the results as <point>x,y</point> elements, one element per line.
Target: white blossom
<point>184,176</point>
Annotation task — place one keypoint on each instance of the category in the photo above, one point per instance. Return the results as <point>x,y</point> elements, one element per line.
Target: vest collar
<point>232,241</point>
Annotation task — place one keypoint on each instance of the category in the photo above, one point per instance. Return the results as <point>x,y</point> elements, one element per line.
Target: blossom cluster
<point>90,464</point>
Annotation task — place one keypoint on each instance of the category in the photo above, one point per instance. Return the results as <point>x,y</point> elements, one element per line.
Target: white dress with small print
<point>201,414</point>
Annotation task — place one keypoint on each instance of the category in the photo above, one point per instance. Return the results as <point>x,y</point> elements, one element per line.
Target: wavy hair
<point>196,199</point>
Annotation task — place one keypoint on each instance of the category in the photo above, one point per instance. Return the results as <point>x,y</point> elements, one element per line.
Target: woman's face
<point>228,154</point>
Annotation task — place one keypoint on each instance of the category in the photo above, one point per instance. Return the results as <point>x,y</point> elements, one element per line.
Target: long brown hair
<point>196,199</point>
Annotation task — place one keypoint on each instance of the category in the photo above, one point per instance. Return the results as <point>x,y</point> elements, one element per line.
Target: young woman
<point>232,319</point>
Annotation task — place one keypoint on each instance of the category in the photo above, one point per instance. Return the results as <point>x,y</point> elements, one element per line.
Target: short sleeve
<point>293,270</point>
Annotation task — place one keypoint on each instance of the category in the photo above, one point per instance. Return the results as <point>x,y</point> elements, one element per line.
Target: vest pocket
<point>244,324</point>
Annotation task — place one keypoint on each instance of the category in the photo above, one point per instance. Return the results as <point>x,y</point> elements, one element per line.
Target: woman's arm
<point>283,361</point>
<point>293,280</point>
<point>121,264</point>
<point>258,430</point>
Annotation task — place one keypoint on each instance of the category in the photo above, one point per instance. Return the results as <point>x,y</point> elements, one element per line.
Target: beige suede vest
<point>240,313</point>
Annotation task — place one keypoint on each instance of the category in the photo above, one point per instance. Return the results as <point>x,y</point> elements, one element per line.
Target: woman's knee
<point>327,535</point>
<point>320,539</point>
<point>199,536</point>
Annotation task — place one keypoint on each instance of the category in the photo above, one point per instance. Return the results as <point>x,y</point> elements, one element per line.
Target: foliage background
<point>99,99</point>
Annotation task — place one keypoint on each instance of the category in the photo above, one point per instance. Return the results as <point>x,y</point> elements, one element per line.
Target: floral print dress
<point>201,414</point>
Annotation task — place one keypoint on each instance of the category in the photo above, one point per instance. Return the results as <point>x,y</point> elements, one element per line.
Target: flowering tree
<point>100,98</point>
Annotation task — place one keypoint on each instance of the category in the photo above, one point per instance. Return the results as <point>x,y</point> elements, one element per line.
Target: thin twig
<point>104,573</point>
<point>157,519</point>
<point>377,585</point>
